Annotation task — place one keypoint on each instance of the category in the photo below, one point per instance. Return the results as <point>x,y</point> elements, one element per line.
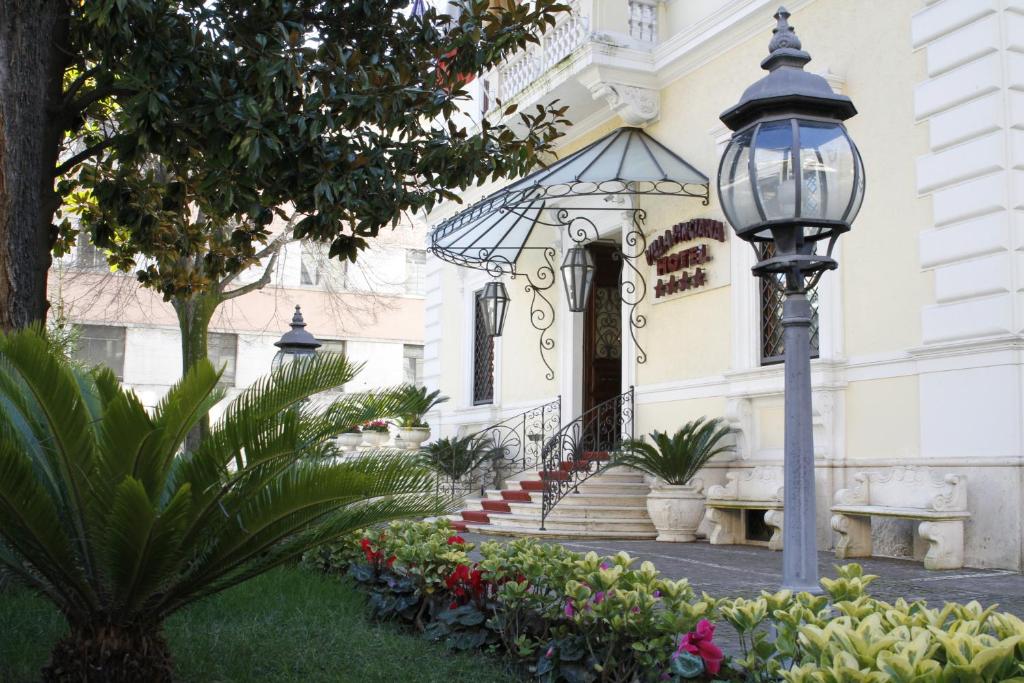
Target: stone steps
<point>612,504</point>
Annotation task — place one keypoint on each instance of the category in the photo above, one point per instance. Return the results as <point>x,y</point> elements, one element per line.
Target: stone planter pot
<point>412,438</point>
<point>676,511</point>
<point>349,440</point>
<point>374,439</point>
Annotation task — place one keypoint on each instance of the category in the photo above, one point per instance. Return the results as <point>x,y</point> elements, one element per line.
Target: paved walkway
<point>740,570</point>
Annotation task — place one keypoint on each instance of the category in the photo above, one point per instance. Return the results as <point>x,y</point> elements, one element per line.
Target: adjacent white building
<point>371,310</point>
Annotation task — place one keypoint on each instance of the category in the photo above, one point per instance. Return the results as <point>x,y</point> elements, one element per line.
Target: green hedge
<point>574,617</point>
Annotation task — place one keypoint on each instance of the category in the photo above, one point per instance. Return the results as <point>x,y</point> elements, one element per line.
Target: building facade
<point>371,310</point>
<point>918,336</point>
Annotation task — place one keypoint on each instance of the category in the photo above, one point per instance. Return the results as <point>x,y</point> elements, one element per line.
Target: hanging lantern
<point>295,344</point>
<point>578,277</point>
<point>493,303</point>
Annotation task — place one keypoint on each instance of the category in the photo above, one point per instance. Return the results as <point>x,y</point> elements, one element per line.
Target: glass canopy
<point>492,233</point>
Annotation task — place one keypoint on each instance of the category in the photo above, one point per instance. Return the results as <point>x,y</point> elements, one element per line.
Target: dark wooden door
<point>602,331</point>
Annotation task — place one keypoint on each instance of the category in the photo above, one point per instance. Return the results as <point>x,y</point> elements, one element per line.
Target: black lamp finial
<point>785,48</point>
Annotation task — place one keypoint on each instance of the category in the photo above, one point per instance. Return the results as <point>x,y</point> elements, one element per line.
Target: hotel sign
<point>676,266</point>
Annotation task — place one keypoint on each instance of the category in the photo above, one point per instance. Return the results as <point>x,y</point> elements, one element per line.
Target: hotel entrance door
<point>602,330</point>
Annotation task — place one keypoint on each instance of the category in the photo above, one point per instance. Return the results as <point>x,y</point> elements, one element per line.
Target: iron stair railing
<point>517,444</point>
<point>583,448</point>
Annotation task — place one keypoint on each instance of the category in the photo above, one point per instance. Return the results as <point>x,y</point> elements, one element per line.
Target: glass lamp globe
<point>493,302</point>
<point>295,344</point>
<point>790,175</point>
<point>578,277</point>
<point>778,173</point>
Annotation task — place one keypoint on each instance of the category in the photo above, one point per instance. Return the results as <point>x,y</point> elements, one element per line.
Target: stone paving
<point>743,571</point>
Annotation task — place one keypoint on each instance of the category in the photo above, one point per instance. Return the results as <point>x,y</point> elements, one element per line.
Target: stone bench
<point>756,488</point>
<point>938,501</point>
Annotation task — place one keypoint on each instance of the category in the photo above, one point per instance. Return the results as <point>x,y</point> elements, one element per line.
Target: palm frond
<point>678,458</point>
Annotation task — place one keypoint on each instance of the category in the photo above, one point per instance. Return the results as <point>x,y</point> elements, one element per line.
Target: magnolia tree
<point>183,128</point>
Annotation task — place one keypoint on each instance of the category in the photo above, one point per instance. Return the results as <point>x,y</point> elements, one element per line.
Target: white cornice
<point>734,22</point>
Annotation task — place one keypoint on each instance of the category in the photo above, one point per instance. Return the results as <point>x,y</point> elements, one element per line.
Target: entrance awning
<point>492,233</point>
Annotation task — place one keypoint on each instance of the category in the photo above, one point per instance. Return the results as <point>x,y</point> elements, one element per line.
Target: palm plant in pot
<point>412,429</point>
<point>676,500</point>
<point>454,459</point>
<point>104,513</point>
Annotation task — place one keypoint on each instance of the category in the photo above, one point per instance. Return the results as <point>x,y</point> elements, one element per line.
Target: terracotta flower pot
<point>676,511</point>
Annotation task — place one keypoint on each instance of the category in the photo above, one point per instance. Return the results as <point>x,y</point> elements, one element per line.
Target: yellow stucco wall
<point>690,337</point>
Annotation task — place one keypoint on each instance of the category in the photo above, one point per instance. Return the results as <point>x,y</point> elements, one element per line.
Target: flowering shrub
<point>584,618</point>
<point>376,426</point>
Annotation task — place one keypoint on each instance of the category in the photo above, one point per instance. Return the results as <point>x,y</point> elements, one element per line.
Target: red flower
<point>456,540</point>
<point>391,560</point>
<point>699,643</point>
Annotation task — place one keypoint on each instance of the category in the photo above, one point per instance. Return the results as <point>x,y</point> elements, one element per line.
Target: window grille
<point>222,350</point>
<point>412,358</point>
<point>483,359</point>
<point>101,345</point>
<point>772,349</point>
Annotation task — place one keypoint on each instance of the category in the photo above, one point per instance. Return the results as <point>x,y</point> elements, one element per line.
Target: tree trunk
<point>33,56</point>
<point>194,317</point>
<point>109,653</point>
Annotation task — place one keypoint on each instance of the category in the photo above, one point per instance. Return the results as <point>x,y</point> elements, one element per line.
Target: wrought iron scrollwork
<point>515,444</point>
<point>583,448</point>
<point>633,289</point>
<point>542,311</point>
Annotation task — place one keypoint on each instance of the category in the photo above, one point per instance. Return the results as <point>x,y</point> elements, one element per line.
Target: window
<point>415,260</point>
<point>87,256</point>
<point>772,349</point>
<point>101,345</point>
<point>332,346</point>
<point>222,350</point>
<point>483,359</point>
<point>317,269</point>
<point>412,359</point>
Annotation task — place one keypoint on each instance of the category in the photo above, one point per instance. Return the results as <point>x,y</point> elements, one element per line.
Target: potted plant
<point>455,457</point>
<point>350,438</point>
<point>676,500</point>
<point>376,433</point>
<point>416,403</point>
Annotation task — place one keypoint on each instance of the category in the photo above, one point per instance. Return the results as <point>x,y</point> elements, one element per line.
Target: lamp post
<point>577,276</point>
<point>493,303</point>
<point>792,179</point>
<point>294,344</point>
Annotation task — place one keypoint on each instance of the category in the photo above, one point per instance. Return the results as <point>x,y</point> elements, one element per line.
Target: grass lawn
<point>289,625</point>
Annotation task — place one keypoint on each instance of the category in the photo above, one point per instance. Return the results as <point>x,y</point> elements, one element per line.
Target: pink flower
<point>699,643</point>
<point>606,565</point>
<point>550,652</point>
<point>569,610</point>
<point>598,597</point>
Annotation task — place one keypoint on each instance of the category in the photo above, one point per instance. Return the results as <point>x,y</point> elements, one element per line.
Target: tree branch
<point>252,286</point>
<point>82,156</point>
<point>77,84</point>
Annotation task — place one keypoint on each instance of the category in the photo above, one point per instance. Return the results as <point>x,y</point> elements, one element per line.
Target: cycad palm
<point>102,512</point>
<point>675,459</point>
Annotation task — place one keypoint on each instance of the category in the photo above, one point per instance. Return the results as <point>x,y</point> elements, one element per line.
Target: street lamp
<point>792,178</point>
<point>578,277</point>
<point>295,344</point>
<point>493,303</point>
